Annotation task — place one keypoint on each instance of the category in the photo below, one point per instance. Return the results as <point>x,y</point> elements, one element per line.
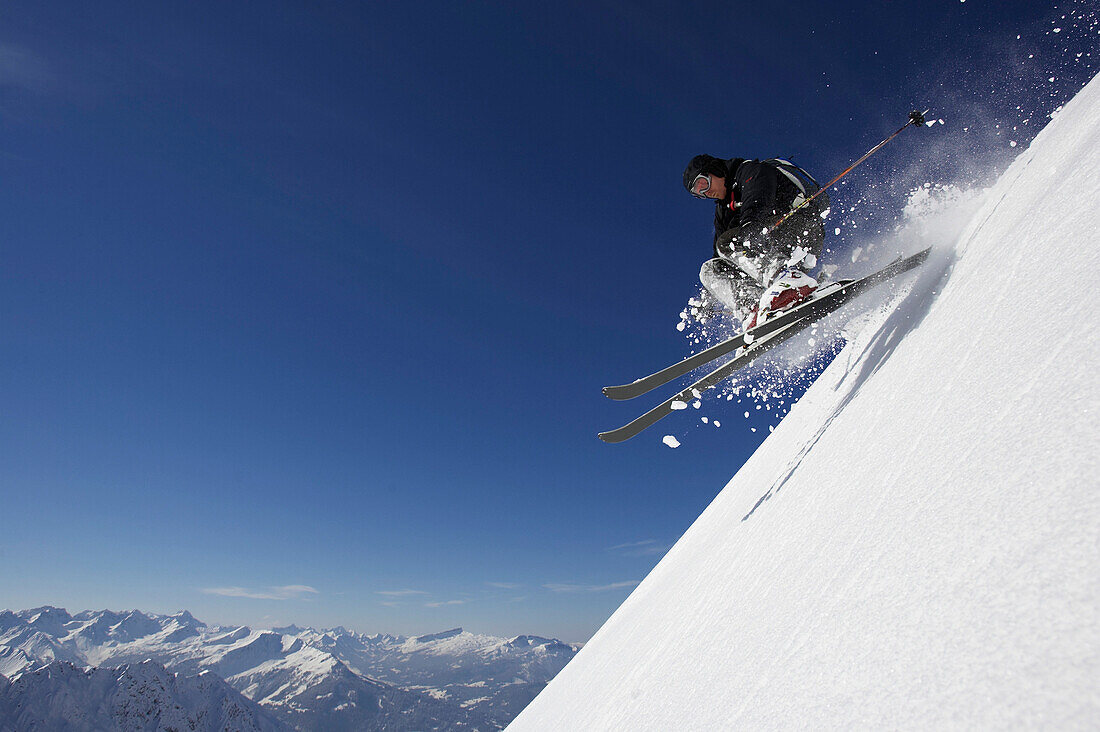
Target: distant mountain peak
<point>289,629</point>
<point>445,635</point>
<point>185,617</point>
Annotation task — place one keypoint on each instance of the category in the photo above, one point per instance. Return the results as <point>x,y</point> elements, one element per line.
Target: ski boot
<point>790,288</point>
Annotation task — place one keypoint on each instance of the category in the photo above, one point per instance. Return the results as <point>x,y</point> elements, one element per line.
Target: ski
<point>834,295</point>
<point>649,383</point>
<point>762,339</point>
<point>759,346</point>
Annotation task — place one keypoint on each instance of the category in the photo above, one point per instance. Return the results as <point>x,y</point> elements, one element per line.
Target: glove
<point>732,242</point>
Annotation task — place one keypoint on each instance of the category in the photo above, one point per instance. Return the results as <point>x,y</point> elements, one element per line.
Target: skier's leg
<point>789,287</point>
<point>809,240</point>
<point>787,258</point>
<point>731,287</point>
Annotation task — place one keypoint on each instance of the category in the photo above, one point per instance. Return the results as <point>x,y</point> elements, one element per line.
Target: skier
<point>768,233</point>
<point>758,268</point>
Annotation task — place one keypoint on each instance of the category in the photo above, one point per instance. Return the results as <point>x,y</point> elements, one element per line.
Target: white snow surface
<point>917,546</point>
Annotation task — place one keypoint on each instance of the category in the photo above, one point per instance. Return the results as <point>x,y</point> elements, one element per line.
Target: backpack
<point>811,216</point>
<point>803,181</point>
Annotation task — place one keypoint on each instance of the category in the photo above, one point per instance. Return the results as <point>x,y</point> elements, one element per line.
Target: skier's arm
<point>758,191</point>
<point>727,229</point>
<point>756,185</point>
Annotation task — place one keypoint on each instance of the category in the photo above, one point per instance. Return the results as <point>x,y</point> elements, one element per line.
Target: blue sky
<point>305,307</point>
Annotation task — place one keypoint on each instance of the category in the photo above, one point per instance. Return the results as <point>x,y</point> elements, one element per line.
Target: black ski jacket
<point>758,195</point>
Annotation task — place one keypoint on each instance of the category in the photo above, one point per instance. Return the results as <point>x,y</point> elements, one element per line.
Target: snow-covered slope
<point>916,545</point>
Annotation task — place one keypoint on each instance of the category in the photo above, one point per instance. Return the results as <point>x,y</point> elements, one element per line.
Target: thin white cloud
<point>631,545</point>
<point>400,593</point>
<point>647,548</point>
<point>447,602</point>
<point>590,588</point>
<point>298,589</point>
<point>286,592</point>
<point>504,585</point>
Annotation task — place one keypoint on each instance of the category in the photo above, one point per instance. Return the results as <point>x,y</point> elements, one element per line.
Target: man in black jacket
<point>751,256</point>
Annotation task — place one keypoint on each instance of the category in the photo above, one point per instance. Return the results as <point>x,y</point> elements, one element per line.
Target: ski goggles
<point>700,185</point>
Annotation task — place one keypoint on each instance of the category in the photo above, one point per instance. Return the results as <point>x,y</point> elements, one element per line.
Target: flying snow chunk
<point>671,441</point>
<point>679,405</point>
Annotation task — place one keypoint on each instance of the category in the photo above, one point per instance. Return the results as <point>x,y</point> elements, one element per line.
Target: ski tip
<point>613,437</point>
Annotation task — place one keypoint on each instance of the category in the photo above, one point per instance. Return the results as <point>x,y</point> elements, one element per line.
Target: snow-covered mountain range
<point>915,546</point>
<point>143,696</point>
<point>300,677</point>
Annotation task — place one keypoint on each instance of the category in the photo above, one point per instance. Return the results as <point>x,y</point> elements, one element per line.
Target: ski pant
<point>739,277</point>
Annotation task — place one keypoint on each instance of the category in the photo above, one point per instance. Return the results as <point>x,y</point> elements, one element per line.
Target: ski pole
<point>915,118</point>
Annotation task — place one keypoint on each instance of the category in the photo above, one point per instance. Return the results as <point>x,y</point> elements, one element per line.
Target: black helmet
<point>703,165</point>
